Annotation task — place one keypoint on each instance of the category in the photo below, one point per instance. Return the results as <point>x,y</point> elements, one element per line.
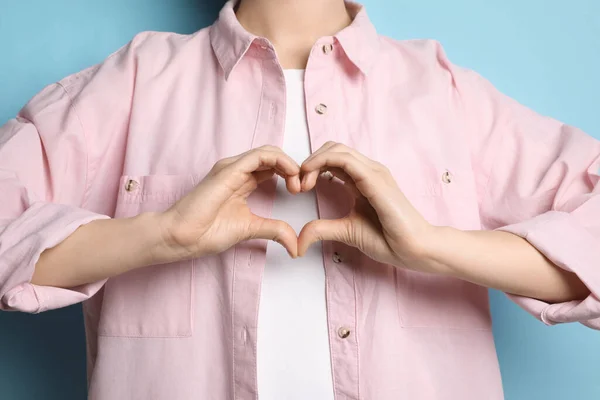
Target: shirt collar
<point>359,40</point>
<point>230,41</point>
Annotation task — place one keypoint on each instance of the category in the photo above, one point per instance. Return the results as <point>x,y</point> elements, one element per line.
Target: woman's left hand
<point>382,223</point>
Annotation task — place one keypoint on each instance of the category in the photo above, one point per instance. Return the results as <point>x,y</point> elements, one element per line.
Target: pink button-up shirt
<point>137,132</point>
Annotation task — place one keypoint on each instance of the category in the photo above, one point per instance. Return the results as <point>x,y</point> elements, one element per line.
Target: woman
<point>147,185</point>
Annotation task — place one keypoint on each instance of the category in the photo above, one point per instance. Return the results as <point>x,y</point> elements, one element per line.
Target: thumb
<point>277,231</point>
<point>324,229</point>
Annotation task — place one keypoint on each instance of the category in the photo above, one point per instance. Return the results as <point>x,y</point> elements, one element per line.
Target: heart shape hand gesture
<point>215,215</point>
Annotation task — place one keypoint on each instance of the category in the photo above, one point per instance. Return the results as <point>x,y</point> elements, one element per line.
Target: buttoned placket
<point>339,271</point>
<point>249,259</point>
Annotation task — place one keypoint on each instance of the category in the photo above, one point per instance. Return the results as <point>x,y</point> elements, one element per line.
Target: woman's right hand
<point>215,215</point>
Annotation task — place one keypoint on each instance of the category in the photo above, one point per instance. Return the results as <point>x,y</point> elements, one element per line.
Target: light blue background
<point>543,53</point>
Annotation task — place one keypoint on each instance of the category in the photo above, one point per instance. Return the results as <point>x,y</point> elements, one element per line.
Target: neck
<point>293,26</point>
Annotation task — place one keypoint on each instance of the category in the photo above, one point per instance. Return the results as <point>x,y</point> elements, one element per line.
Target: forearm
<point>102,249</point>
<point>502,261</point>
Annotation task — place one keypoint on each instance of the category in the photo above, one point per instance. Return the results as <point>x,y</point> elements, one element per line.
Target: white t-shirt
<point>293,346</point>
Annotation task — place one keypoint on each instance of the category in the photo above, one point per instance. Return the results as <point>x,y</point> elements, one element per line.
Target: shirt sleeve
<point>69,135</point>
<point>536,178</point>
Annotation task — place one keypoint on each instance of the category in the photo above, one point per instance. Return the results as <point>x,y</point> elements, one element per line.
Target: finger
<point>347,180</point>
<point>309,181</point>
<point>291,182</point>
<point>275,230</point>
<point>338,230</point>
<point>262,176</point>
<point>252,156</point>
<point>261,160</point>
<point>348,163</point>
<point>312,176</point>
<point>382,194</point>
<point>321,149</point>
<point>225,162</point>
<point>266,147</point>
<point>341,148</point>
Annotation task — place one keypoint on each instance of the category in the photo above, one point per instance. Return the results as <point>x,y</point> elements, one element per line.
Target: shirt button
<point>131,185</point>
<point>327,48</point>
<point>337,258</point>
<point>321,109</point>
<point>343,332</point>
<point>447,177</point>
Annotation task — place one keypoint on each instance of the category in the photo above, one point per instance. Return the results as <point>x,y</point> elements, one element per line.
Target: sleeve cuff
<point>570,246</point>
<point>42,226</point>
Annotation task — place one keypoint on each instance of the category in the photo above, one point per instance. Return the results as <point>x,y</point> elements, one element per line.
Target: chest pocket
<point>155,301</point>
<point>444,198</point>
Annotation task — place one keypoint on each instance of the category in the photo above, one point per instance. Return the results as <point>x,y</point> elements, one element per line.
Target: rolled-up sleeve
<point>569,245</point>
<point>69,138</point>
<point>537,178</point>
<point>42,226</point>
<point>43,173</point>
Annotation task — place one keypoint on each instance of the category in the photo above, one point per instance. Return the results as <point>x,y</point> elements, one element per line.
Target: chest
<point>415,133</point>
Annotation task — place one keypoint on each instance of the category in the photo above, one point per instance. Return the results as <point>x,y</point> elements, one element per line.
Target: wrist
<point>434,250</point>
<point>157,231</point>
